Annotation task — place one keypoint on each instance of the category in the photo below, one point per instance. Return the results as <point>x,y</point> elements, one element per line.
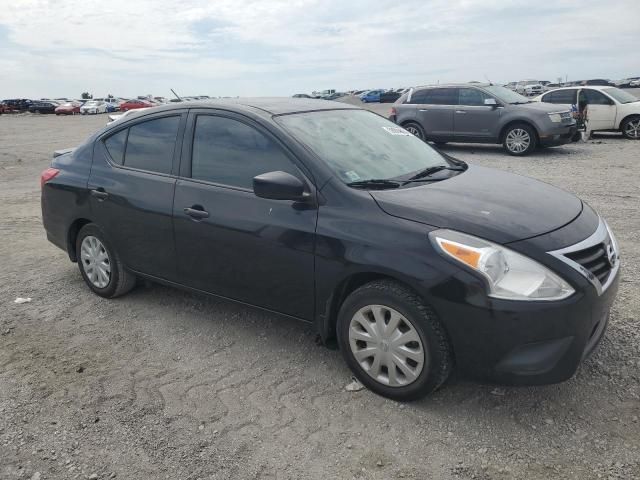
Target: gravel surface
<point>166,384</point>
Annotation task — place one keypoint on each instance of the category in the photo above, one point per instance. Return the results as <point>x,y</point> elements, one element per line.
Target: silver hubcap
<point>386,345</point>
<point>95,261</point>
<point>413,130</point>
<point>633,129</point>
<point>518,140</point>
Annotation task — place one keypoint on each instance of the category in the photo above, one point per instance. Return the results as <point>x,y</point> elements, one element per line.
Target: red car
<point>69,108</point>
<point>133,104</point>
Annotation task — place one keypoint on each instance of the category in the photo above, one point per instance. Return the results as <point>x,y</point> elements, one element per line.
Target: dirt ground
<point>166,384</point>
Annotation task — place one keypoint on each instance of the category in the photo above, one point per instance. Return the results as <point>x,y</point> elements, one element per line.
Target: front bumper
<point>559,135</point>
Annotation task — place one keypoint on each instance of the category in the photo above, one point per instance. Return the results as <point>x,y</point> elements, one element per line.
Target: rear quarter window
<point>115,145</point>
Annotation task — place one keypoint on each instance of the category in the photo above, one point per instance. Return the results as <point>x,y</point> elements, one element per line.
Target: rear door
<point>601,110</point>
<point>131,188</point>
<point>472,118</point>
<point>435,107</point>
<point>243,247</point>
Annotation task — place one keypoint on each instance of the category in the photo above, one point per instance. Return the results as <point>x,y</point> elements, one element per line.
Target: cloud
<point>274,47</point>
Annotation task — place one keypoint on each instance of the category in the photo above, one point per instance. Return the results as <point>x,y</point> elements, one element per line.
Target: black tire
<point>437,349</point>
<point>416,129</point>
<point>627,127</point>
<point>515,129</point>
<point>121,281</point>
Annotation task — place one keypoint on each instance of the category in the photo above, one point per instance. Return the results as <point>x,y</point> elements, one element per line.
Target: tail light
<point>47,175</point>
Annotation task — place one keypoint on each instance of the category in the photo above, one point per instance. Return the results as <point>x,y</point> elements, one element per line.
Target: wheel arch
<point>627,117</point>
<point>72,235</point>
<point>328,318</point>
<point>510,123</point>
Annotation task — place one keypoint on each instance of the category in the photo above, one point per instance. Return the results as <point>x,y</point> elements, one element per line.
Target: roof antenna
<point>485,76</point>
<point>177,96</point>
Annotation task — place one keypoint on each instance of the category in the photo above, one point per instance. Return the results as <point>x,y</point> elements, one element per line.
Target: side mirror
<point>278,186</point>
<point>490,102</point>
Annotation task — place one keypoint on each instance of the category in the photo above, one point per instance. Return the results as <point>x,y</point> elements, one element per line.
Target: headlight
<point>555,117</point>
<point>510,275</point>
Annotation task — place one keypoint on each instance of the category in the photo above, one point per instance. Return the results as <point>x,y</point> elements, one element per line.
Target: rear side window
<point>229,152</point>
<point>115,145</point>
<point>151,144</point>
<point>471,97</point>
<point>561,96</point>
<point>439,96</point>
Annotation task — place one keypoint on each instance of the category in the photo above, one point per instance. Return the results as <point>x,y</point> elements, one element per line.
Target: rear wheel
<point>415,129</point>
<point>631,128</point>
<point>393,342</point>
<point>100,265</point>
<point>520,139</point>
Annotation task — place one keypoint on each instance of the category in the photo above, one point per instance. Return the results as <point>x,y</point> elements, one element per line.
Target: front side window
<point>229,152</point>
<point>359,145</point>
<point>151,144</point>
<point>471,97</point>
<point>594,97</point>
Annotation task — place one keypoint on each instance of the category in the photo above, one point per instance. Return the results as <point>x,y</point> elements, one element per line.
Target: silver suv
<point>477,113</point>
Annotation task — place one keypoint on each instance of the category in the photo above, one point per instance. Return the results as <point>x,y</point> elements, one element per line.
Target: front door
<point>473,119</point>
<point>243,247</point>
<point>601,110</point>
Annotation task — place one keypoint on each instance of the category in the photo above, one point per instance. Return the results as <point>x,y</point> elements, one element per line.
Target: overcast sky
<point>54,48</point>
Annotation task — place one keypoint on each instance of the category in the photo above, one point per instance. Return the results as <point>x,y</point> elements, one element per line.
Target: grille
<point>594,259</point>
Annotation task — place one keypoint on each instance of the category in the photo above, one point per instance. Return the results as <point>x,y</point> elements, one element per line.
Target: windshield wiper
<point>431,170</point>
<point>375,183</point>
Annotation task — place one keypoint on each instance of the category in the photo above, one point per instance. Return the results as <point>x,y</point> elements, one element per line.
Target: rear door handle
<point>461,111</point>
<point>196,212</point>
<point>424,110</point>
<point>99,193</point>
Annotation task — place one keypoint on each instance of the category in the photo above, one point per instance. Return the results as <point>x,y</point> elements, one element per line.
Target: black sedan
<point>43,106</point>
<point>416,262</point>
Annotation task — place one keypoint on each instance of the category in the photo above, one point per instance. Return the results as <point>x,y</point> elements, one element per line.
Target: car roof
<point>456,85</point>
<point>592,87</point>
<point>268,105</point>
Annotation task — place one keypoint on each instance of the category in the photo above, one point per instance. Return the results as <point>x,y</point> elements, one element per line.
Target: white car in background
<point>608,108</point>
<point>93,107</point>
<point>529,88</point>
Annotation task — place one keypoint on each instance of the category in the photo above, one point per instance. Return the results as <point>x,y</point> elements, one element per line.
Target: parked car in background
<point>93,107</point>
<point>15,105</point>
<point>626,82</point>
<point>529,88</point>
<point>483,113</point>
<point>417,263</point>
<point>389,96</point>
<point>43,106</point>
<point>609,108</point>
<point>634,83</point>
<point>68,108</point>
<point>301,95</point>
<point>136,103</point>
<point>372,96</point>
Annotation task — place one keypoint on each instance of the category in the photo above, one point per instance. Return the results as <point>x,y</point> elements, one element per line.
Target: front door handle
<point>461,111</point>
<point>196,212</point>
<point>99,193</point>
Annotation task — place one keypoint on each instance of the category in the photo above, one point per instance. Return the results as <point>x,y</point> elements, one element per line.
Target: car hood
<point>498,206</point>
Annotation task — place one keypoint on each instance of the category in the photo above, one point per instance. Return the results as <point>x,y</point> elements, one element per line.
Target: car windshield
<point>505,95</point>
<point>620,95</point>
<point>359,145</point>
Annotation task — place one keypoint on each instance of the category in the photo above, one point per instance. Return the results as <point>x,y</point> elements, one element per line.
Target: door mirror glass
<point>491,102</point>
<point>278,186</point>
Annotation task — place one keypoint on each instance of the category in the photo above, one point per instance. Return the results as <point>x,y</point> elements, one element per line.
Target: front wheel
<point>393,342</point>
<point>415,129</point>
<point>520,139</point>
<point>631,128</point>
<point>99,264</point>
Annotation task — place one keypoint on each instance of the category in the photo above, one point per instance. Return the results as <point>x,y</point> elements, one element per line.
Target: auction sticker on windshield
<point>396,131</point>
